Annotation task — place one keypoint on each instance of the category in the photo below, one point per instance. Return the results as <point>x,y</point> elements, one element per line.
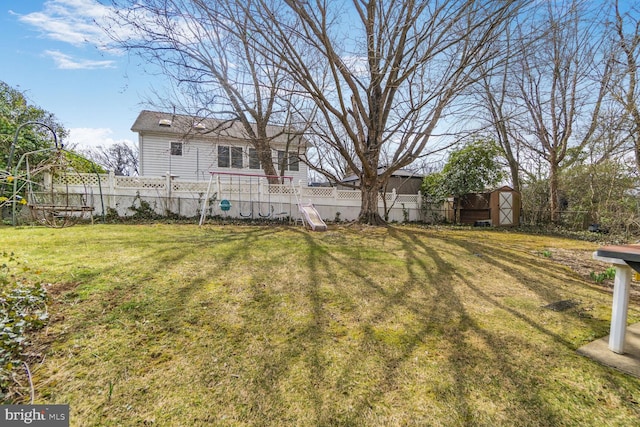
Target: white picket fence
<point>244,197</point>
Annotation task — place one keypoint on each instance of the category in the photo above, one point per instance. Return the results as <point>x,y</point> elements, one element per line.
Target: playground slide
<point>312,217</point>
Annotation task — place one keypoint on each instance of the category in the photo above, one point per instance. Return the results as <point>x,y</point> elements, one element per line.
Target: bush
<point>22,310</point>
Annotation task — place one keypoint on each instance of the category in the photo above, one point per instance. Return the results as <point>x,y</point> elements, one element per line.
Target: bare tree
<point>121,158</point>
<point>625,86</point>
<point>611,138</point>
<point>509,107</point>
<point>212,57</point>
<point>560,82</point>
<point>494,111</point>
<point>381,74</point>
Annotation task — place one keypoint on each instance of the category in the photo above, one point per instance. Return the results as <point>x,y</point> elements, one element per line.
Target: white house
<point>189,148</point>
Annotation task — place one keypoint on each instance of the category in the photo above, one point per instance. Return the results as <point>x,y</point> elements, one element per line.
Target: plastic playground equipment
<point>311,217</point>
<point>31,183</point>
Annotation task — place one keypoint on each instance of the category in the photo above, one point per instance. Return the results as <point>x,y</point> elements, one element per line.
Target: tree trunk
<point>637,151</point>
<point>554,202</point>
<point>266,161</point>
<point>263,150</point>
<point>515,174</point>
<point>369,210</point>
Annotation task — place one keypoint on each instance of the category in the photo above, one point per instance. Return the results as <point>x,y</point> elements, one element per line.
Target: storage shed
<point>498,208</point>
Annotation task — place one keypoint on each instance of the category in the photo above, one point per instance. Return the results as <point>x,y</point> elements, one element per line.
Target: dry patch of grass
<point>180,325</point>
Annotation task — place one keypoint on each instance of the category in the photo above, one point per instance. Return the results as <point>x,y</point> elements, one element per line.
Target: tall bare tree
<point>382,74</point>
<point>625,86</point>
<point>214,60</point>
<point>493,108</point>
<point>558,82</point>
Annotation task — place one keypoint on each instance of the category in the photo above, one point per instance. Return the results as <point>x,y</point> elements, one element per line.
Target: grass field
<point>175,325</point>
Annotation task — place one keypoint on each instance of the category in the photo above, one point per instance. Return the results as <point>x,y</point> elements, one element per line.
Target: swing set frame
<point>244,179</point>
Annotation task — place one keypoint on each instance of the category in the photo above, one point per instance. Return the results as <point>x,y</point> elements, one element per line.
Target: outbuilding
<point>497,208</point>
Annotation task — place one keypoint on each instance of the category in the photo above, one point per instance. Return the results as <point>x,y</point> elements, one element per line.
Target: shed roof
<point>503,188</point>
<point>179,124</point>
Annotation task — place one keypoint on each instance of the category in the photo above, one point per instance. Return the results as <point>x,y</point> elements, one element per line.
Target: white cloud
<point>67,62</point>
<point>93,137</point>
<point>358,65</point>
<point>70,21</point>
<point>76,22</point>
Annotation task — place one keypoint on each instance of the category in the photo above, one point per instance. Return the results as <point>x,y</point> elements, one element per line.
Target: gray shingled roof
<point>178,124</point>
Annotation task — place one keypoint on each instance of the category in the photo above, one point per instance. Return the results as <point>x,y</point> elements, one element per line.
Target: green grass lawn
<point>175,325</point>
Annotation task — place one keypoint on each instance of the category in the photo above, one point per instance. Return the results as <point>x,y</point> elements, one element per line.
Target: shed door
<point>506,208</point>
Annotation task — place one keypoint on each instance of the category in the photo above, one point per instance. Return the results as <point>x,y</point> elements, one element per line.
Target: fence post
<point>299,199</point>
<point>112,190</point>
<point>168,185</point>
<point>218,188</point>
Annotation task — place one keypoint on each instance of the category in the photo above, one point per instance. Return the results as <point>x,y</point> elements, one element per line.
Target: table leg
<point>620,307</point>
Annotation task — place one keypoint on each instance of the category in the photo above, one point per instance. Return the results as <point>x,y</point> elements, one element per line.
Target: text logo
<point>34,415</point>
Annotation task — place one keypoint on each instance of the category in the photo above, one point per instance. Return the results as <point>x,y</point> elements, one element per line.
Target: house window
<point>229,157</point>
<point>294,162</point>
<point>281,160</point>
<point>290,161</point>
<point>176,148</point>
<point>236,157</point>
<point>223,156</point>
<point>254,162</point>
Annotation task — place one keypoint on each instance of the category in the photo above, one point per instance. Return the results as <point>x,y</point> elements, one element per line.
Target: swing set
<point>257,204</point>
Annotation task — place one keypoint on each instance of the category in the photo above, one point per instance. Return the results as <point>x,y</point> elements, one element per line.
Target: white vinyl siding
<point>200,157</point>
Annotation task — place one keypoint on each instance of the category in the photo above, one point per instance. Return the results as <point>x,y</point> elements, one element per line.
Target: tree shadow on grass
<point>464,356</point>
<point>330,342</point>
<point>334,385</point>
<point>536,275</point>
<point>529,388</point>
<point>337,397</point>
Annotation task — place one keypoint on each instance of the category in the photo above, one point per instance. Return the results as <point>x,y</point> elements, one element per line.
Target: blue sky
<point>52,51</point>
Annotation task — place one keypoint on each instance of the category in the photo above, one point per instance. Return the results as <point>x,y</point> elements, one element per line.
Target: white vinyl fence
<point>228,196</point>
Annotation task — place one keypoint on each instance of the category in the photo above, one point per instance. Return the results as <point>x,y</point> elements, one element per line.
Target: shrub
<point>22,310</point>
